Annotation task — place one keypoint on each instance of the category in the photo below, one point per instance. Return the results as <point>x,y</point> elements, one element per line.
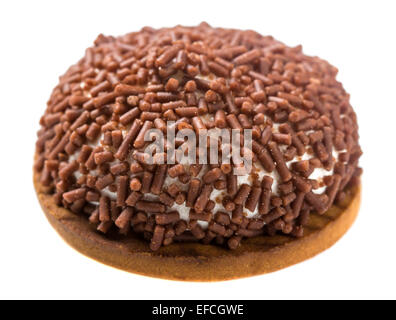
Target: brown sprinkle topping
<point>92,136</point>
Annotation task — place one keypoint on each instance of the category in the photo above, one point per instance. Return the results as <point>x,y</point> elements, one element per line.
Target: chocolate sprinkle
<point>90,148</point>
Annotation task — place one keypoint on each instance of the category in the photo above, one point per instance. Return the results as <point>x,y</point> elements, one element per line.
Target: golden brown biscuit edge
<point>196,261</point>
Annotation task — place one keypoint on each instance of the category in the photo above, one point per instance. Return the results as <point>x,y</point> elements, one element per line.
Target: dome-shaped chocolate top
<point>91,147</point>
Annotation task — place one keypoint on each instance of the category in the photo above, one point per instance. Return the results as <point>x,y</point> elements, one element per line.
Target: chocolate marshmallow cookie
<point>188,209</point>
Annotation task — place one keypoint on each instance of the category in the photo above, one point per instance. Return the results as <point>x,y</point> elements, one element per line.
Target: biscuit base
<point>196,261</point>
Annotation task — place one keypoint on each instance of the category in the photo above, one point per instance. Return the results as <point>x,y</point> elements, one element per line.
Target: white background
<point>39,40</point>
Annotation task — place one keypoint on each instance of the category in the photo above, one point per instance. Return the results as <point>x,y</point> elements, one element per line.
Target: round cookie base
<point>195,261</point>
